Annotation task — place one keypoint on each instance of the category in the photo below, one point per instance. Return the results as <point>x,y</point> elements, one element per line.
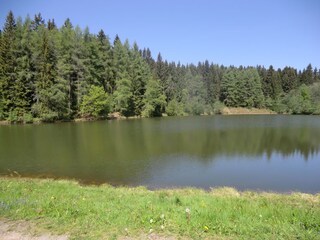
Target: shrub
<point>95,104</point>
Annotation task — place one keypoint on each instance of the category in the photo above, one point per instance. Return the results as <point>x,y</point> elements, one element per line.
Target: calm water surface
<point>272,153</point>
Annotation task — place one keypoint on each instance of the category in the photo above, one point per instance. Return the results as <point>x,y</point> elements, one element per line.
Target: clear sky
<point>228,32</point>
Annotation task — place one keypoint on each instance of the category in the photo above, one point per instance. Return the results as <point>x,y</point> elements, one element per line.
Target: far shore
<point>246,111</point>
<point>118,116</point>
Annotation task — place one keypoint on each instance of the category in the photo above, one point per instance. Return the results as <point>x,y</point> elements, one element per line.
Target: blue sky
<point>228,32</point>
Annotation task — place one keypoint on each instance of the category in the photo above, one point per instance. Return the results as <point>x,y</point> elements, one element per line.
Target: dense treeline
<point>52,73</point>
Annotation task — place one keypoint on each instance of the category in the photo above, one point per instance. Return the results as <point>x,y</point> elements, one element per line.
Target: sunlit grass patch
<point>98,212</point>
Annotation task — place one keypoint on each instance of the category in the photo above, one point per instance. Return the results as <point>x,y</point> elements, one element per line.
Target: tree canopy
<point>50,73</point>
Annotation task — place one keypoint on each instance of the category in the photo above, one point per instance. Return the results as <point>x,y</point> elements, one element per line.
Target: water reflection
<point>241,151</point>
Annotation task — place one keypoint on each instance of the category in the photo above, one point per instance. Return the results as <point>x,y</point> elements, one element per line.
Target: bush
<point>218,107</point>
<point>95,104</point>
<point>49,117</point>
<point>174,108</point>
<point>13,117</point>
<point>299,101</point>
<point>27,118</point>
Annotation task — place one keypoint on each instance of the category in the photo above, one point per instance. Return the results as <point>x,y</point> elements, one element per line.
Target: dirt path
<point>22,230</point>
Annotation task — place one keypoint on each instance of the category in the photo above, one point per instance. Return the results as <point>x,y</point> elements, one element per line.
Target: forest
<point>49,73</point>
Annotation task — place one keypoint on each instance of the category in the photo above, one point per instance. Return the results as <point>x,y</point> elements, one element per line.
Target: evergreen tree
<point>37,22</point>
<point>68,71</point>
<point>229,89</point>
<point>161,73</point>
<point>147,56</point>
<point>81,66</point>
<point>50,90</point>
<point>139,73</point>
<point>242,88</point>
<point>57,73</point>
<point>105,74</point>
<point>7,66</point>
<point>23,90</point>
<point>208,82</point>
<point>51,24</point>
<point>307,75</point>
<point>289,79</point>
<point>194,95</point>
<point>272,84</point>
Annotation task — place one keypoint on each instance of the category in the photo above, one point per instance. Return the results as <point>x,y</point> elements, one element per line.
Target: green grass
<point>106,212</point>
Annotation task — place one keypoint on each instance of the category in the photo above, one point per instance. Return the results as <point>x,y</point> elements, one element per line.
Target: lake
<point>254,152</point>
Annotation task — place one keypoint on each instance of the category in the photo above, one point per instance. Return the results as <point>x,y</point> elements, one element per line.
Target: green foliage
<point>299,101</point>
<point>154,100</point>
<point>218,107</point>
<point>123,101</point>
<point>28,118</point>
<point>194,95</point>
<point>7,64</point>
<point>47,71</point>
<point>271,84</point>
<point>95,104</point>
<point>174,108</point>
<point>289,79</point>
<point>307,75</point>
<point>242,88</point>
<point>52,105</point>
<point>139,73</point>
<point>315,95</point>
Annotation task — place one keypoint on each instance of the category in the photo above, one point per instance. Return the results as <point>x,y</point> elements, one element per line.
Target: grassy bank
<point>105,212</point>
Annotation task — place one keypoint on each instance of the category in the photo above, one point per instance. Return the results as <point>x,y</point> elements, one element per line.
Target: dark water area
<point>265,152</point>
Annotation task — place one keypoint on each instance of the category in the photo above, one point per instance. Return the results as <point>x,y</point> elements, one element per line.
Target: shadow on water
<point>168,152</point>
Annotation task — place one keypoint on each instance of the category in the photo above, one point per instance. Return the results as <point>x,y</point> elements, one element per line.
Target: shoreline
<point>247,111</point>
<point>118,116</point>
<point>66,208</point>
<point>16,176</point>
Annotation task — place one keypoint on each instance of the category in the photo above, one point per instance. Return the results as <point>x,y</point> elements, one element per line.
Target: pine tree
<point>242,88</point>
<point>50,90</point>
<point>7,66</point>
<point>147,56</point>
<point>208,81</point>
<point>23,88</point>
<point>194,95</point>
<point>104,66</point>
<point>37,22</point>
<point>68,71</point>
<point>307,75</point>
<point>139,73</point>
<point>229,88</point>
<point>161,73</point>
<point>272,84</point>
<point>289,79</point>
<point>81,66</point>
